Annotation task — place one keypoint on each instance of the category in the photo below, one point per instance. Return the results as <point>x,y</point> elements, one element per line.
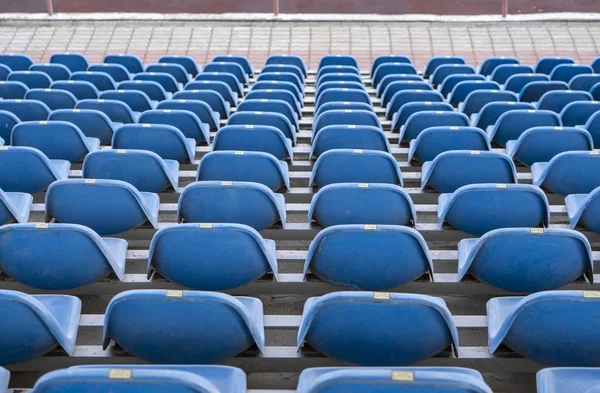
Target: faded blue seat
<point>516,83</point>
<point>8,121</point>
<point>557,100</point>
<point>368,257</point>
<point>26,169</point>
<point>583,209</point>
<point>277,85</point>
<point>584,82</point>
<point>526,259</point>
<point>4,71</point>
<point>73,61</point>
<point>410,108</point>
<point>58,140</point>
<point>578,113</point>
<point>81,89</point>
<point>144,378</point>
<point>453,169</point>
<point>249,137</point>
<point>283,77</point>
<point>59,256</point>
<point>132,63</point>
<point>288,59</point>
<point>395,87</point>
<point>335,60</point>
<point>479,208</point>
<point>117,111</point>
<point>53,98</point>
<point>285,68</point>
<point>355,166</point>
<point>225,77</point>
<point>462,89</point>
<point>407,96</point>
<point>340,77</point>
<point>265,119</point>
<point>91,122</point>
<point>177,71</point>
<point>232,255</point>
<point>152,89</point>
<point>574,172</point>
<point>420,121</point>
<point>282,95</point>
<point>208,118</point>
<point>349,326</point>
<point>343,94</point>
<point>382,59</point>
<point>187,62</point>
<point>512,124</point>
<point>31,79</point>
<point>220,87</point>
<point>118,72</point>
<point>230,67</point>
<point>593,127</point>
<point>13,90</point>
<point>389,79</point>
<point>491,112</point>
<point>143,169</point>
<point>476,100</point>
<point>546,65</point>
<point>540,144</point>
<point>344,105</point>
<point>105,206</point>
<point>16,62</point>
<point>503,72</point>
<point>438,61</point>
<point>490,64</point>
<point>417,379</point>
<point>392,68</point>
<point>166,80</point>
<point>26,110</point>
<point>150,325</point>
<point>553,328</point>
<point>136,100</point>
<point>229,202</point>
<point>241,60</point>
<point>266,105</point>
<point>38,324</point>
<point>533,91</point>
<point>184,120</point>
<point>165,140</point>
<point>349,137</point>
<point>443,71</point>
<point>345,117</point>
<point>244,166</point>
<point>337,85</point>
<point>566,72</point>
<point>212,98</point>
<point>451,81</point>
<point>432,141</point>
<point>336,70</point>
<point>567,379</point>
<point>357,203</point>
<point>101,80</point>
<point>14,207</point>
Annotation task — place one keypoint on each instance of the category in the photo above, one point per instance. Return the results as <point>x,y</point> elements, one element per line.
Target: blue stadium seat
<point>225,77</point>
<point>337,85</point>
<point>266,105</point>
<point>336,70</point>
<point>368,257</point>
<point>344,94</point>
<point>233,255</point>
<point>244,166</point>
<point>596,65</point>
<point>583,209</point>
<point>595,91</point>
<point>432,141</point>
<point>584,82</point>
<point>451,81</point>
<point>349,137</point>
<point>282,95</point>
<point>118,72</point>
<point>102,81</point>
<point>345,117</point>
<point>56,72</point>
<point>443,71</point>
<point>335,60</point>
<point>51,256</point>
<point>185,121</point>
<point>406,96</point>
<point>283,77</point>
<point>241,60</point>
<point>490,64</point>
<point>574,172</point>
<point>132,63</point>
<point>8,121</point>
<point>175,70</point>
<point>288,60</point>
<point>38,324</point>
<point>541,144</point>
<point>12,90</point>
<point>352,166</point>
<point>230,67</point>
<point>491,112</point>
<point>379,60</point>
<point>26,169</point>
<point>593,127</point>
<point>526,259</point>
<point>479,208</point>
<point>340,76</point>
<point>82,90</point>
<point>392,68</point>
<point>209,120</point>
<point>229,202</point>
<point>553,328</point>
<point>566,72</point>
<point>58,140</point>
<point>4,378</point>
<point>143,169</point>
<point>348,326</point>
<point>4,72</point>
<point>410,108</point>
<point>136,100</point>
<point>342,105</point>
<point>14,207</point>
<point>150,325</point>
<point>105,206</point>
<point>566,379</point>
<point>438,61</point>
<point>284,68</point>
<point>26,110</point>
<point>475,101</point>
<point>546,65</point>
<point>53,98</point>
<point>557,100</point>
<point>251,137</point>
<point>117,111</point>
<point>510,125</point>
<point>265,119</point>
<point>578,113</point>
<point>165,140</point>
<point>420,121</point>
<point>73,61</point>
<point>92,123</point>
<point>533,91</point>
<point>277,85</point>
<point>16,62</point>
<point>389,79</point>
<point>453,169</point>
<point>395,87</point>
<point>31,79</point>
<point>503,72</point>
<point>462,89</point>
<point>166,80</point>
<point>153,90</point>
<point>516,83</point>
<point>187,62</point>
<point>357,203</point>
<point>212,98</point>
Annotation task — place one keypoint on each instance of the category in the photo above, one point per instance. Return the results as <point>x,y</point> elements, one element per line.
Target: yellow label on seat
<point>591,293</point>
<point>369,227</point>
<point>381,295</point>
<point>119,374</point>
<point>536,231</point>
<point>363,185</point>
<point>403,376</point>
<point>239,153</point>
<point>173,293</point>
<point>227,183</point>
<point>500,185</point>
<point>90,181</point>
<point>206,225</point>
<point>41,226</point>
<point>121,151</point>
<point>358,151</point>
<point>475,152</point>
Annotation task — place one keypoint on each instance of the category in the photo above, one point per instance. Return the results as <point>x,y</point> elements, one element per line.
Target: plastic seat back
<point>512,124</point>
<point>31,79</point>
<point>75,62</point>
<point>93,123</point>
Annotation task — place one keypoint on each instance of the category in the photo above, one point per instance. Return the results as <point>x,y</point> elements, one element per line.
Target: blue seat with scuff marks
<point>229,202</point>
<point>152,89</point>
<point>143,169</point>
<point>102,81</point>
<point>231,67</point>
<point>355,166</point>
<point>462,89</point>
<point>283,77</point>
<point>59,256</point>
<point>73,61</point>
<point>212,98</point>
<point>219,87</point>
<point>224,77</point>
<point>187,62</point>
<point>38,324</point>
<point>117,111</point>
<point>490,64</point>
<point>137,100</point>
<point>503,72</point>
<point>451,81</point>
<point>480,208</point>
<point>453,169</point>
<point>288,59</point>
<point>381,59</point>
<point>118,72</point>
<point>541,144</point>
<point>420,121</point>
<point>435,140</point>
<point>395,87</point>
<point>233,255</point>
<point>583,209</point>
<point>578,113</point>
<point>91,122</point>
<point>557,100</point>
<point>345,117</point>
<point>166,80</point>
<point>183,327</point>
<point>439,61</point>
<point>208,118</point>
<point>475,101</point>
<point>12,90</point>
<point>249,137</point>
<point>349,137</point>
<point>512,124</point>
<point>389,79</point>
<point>573,172</point>
<point>443,71</point>
<point>357,203</point>
<point>527,259</point>
<point>53,98</point>
<point>185,121</point>
<point>26,110</point>
<point>177,71</point>
<point>568,379</point>
<point>584,82</point>
<point>533,91</point>
<point>343,94</point>
<point>410,96</point>
<point>546,65</point>
<point>31,79</point>
<point>14,207</point>
<point>241,60</point>
<point>392,68</point>
<point>132,63</point>
<point>265,119</point>
<point>566,72</point>
<point>8,121</point>
<point>244,166</point>
<point>491,112</point>
<point>368,257</point>
<point>26,169</point>
<point>165,140</point>
<point>349,326</point>
<point>105,206</point>
<point>266,105</point>
<point>516,83</point>
<point>555,328</point>
<point>81,89</point>
<point>16,62</point>
<point>410,108</point>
